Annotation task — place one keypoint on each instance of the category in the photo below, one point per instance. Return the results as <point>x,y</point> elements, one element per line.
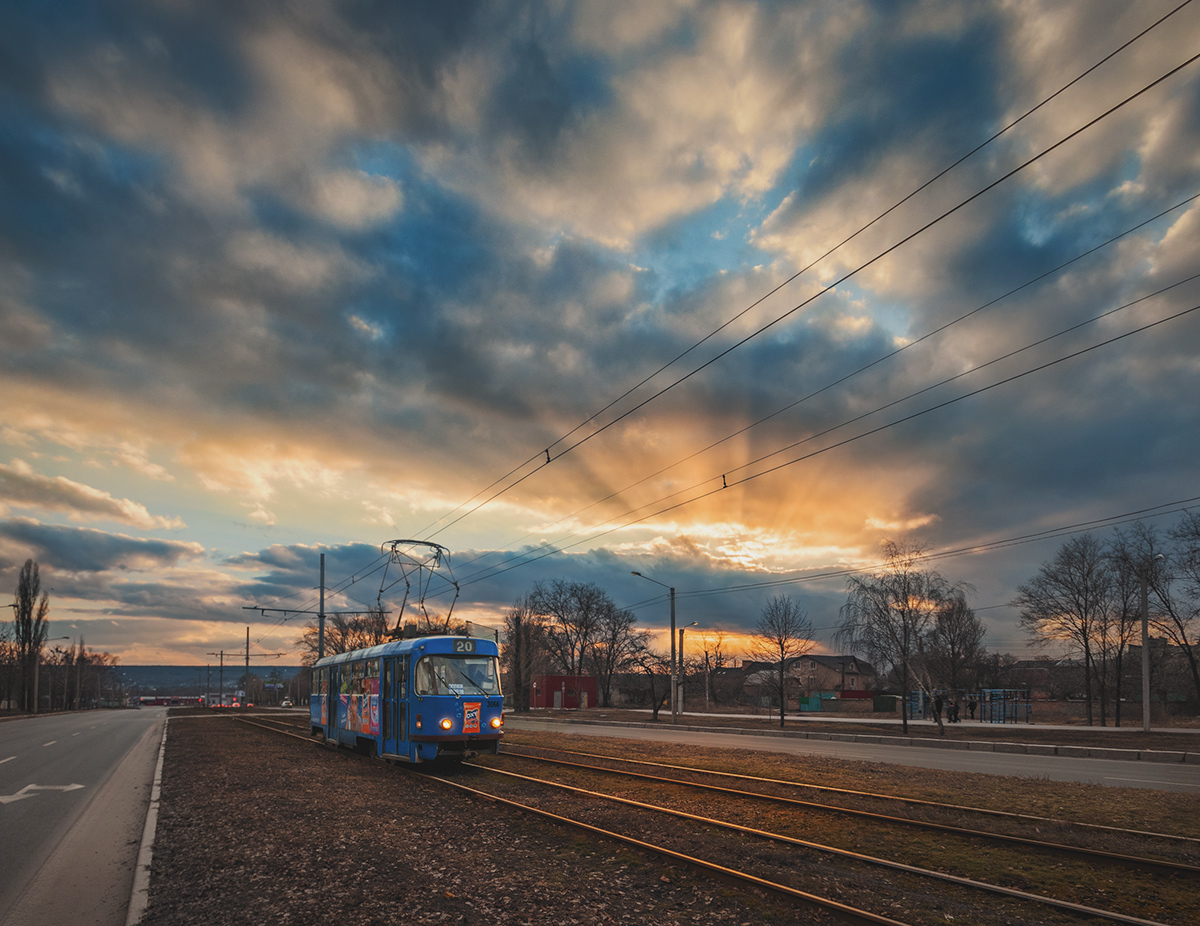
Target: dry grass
<point>1170,899</point>
<point>1168,812</point>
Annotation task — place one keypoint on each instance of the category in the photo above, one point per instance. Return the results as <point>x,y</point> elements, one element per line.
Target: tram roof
<point>444,644</point>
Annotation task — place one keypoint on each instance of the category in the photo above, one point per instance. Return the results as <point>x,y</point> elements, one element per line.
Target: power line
<point>841,443</point>
<point>819,293</point>
<point>724,477</point>
<point>876,362</point>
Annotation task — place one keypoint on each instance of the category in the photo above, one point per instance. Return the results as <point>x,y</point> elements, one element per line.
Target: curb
<point>1033,749</point>
<point>139,898</point>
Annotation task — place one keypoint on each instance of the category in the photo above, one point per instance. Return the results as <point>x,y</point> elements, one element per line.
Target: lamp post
<point>674,677</point>
<point>1145,577</point>
<point>681,630</point>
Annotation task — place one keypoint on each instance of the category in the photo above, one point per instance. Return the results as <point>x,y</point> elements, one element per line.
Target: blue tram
<point>413,700</point>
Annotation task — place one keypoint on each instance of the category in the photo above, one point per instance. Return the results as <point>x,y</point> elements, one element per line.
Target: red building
<point>569,692</point>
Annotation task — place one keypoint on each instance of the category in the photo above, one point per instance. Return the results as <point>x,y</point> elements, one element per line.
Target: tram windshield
<point>456,675</point>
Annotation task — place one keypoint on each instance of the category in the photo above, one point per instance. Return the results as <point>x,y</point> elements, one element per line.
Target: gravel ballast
<point>258,828</point>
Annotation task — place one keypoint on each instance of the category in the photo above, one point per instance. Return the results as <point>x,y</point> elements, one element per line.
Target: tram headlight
<point>497,723</point>
<point>447,723</point>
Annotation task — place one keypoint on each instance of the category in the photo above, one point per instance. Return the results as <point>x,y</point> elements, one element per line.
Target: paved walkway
<point>918,724</point>
<point>1115,766</point>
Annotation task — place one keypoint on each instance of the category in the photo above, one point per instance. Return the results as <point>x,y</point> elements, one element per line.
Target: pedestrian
<point>952,711</point>
<point>971,708</point>
<point>938,701</point>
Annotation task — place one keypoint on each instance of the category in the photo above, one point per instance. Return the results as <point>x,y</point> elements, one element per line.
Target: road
<point>74,789</point>
<point>1174,776</point>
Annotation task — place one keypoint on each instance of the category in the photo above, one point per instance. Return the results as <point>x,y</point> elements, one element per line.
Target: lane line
<point>51,743</point>
<point>9,759</point>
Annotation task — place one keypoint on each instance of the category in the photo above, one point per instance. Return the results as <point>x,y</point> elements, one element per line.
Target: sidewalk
<point>915,724</point>
<point>921,733</point>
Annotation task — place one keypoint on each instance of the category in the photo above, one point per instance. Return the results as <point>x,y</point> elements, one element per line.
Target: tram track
<point>1034,819</point>
<point>843,912</point>
<point>1137,862</point>
<point>853,886</point>
<point>1041,902</point>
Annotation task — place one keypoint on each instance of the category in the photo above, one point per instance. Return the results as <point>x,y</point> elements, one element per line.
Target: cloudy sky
<point>570,289</point>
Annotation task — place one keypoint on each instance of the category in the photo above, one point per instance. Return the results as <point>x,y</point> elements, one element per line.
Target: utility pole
<point>220,678</point>
<point>1145,577</point>
<point>321,613</point>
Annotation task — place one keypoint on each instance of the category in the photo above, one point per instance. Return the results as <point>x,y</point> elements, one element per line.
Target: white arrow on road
<point>29,790</point>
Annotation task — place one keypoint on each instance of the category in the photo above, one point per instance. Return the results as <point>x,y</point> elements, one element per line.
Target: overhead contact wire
<point>847,276</point>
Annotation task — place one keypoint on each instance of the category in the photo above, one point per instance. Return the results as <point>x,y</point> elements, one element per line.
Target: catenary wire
<point>693,487</point>
<point>862,369</point>
<point>798,273</point>
<point>830,287</point>
<point>844,442</point>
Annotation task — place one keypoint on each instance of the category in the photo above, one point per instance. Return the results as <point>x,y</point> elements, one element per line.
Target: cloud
<point>86,550</point>
<point>355,200</point>
<point>324,271</point>
<point>21,487</point>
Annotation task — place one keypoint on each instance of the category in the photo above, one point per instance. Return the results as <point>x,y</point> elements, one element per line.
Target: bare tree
<point>1071,601</point>
<point>616,645</point>
<point>29,617</point>
<point>656,666</point>
<point>1181,611</point>
<point>955,642</point>
<point>8,663</point>
<point>1126,565</point>
<point>888,614</point>
<point>346,632</point>
<point>1171,568</point>
<point>782,635</point>
<point>524,652</point>
<point>573,611</point>
<point>714,658</point>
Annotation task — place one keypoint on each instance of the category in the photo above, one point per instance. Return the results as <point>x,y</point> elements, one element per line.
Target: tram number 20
<point>464,646</point>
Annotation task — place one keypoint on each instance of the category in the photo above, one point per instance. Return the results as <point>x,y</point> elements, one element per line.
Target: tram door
<point>388,717</point>
<point>401,699</point>
<point>331,700</point>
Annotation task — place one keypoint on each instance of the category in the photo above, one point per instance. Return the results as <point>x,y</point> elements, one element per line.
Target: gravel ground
<point>255,828</point>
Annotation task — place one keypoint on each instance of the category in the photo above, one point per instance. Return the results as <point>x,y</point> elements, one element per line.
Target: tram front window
<point>456,675</point>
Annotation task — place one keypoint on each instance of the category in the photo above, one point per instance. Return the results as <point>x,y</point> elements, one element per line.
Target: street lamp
<point>674,677</point>
<point>681,630</point>
<point>1146,642</point>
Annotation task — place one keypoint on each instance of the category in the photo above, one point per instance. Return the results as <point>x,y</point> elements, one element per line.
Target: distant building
<point>811,680</point>
<point>563,692</point>
<point>1047,678</point>
<point>814,674</point>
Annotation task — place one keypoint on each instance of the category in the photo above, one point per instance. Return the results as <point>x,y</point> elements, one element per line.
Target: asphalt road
<point>74,790</point>
<point>1174,776</point>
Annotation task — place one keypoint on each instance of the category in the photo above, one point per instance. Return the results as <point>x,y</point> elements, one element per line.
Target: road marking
<point>9,759</point>
<point>29,790</point>
<point>51,743</point>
